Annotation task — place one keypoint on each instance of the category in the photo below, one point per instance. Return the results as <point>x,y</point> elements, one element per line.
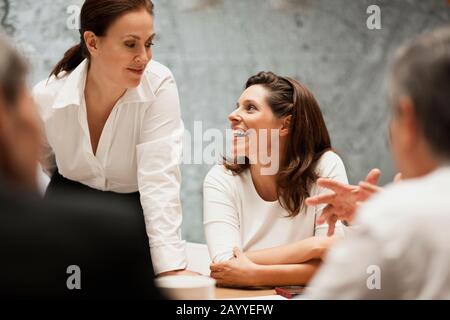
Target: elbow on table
<point>319,247</point>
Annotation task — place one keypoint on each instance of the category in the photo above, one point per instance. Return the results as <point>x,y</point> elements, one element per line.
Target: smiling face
<point>124,52</point>
<point>254,114</point>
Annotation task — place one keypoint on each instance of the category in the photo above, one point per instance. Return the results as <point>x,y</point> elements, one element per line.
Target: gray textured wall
<point>213,46</point>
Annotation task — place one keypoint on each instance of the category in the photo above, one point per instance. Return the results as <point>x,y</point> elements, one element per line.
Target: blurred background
<point>213,46</point>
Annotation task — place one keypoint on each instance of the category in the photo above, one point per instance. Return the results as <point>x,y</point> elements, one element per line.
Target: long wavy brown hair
<point>308,138</point>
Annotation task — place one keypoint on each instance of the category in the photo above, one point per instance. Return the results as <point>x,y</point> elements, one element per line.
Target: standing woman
<point>112,122</point>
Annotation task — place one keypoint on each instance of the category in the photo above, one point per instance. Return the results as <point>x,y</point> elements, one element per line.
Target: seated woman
<point>248,208</point>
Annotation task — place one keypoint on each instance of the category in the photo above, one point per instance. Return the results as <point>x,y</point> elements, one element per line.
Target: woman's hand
<point>236,272</point>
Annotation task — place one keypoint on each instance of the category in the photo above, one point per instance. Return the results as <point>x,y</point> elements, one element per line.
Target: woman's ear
<point>285,126</point>
<point>91,41</point>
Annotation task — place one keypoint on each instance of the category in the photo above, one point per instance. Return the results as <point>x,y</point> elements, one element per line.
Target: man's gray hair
<point>421,71</point>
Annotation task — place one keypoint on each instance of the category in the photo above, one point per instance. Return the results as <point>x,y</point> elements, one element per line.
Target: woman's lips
<point>136,71</point>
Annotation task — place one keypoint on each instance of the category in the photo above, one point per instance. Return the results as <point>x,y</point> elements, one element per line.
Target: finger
<point>334,185</point>
<point>216,267</point>
<point>370,187</point>
<point>364,194</point>
<point>326,213</point>
<point>373,176</point>
<point>216,275</point>
<point>320,199</point>
<point>398,177</point>
<point>331,225</point>
<point>356,190</point>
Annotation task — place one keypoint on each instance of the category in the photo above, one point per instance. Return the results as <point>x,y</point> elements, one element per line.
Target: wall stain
<point>4,12</point>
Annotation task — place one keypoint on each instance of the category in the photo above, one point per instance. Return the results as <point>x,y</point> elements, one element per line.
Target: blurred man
<point>70,247</point>
<point>402,250</point>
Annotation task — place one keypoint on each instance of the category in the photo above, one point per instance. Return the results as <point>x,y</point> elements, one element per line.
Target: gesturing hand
<point>344,199</point>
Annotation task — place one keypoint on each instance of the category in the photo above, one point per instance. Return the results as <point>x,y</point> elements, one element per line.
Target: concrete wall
<point>213,46</point>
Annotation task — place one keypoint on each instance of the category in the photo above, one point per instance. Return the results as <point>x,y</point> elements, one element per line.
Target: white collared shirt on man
<point>139,150</point>
<point>401,249</point>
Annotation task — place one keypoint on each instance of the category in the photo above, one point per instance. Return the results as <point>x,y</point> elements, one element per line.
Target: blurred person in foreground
<point>402,248</point>
<point>58,248</point>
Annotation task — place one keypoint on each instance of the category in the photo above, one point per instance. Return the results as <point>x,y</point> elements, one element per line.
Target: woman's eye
<point>251,107</point>
<point>130,45</point>
<point>148,45</point>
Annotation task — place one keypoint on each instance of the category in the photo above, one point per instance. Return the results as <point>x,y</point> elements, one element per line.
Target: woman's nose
<point>234,116</point>
<point>144,57</point>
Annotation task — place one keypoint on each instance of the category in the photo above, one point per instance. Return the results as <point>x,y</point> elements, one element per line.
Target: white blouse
<point>139,150</point>
<point>236,216</point>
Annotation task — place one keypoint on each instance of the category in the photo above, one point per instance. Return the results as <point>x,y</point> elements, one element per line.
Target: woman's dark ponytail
<point>72,58</point>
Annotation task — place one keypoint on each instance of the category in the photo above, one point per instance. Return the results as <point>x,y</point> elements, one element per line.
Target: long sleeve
<point>43,101</point>
<point>159,177</point>
<point>221,220</point>
<point>47,158</point>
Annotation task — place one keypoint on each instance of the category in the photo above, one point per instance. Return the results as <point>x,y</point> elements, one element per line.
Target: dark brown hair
<point>97,16</point>
<point>308,138</point>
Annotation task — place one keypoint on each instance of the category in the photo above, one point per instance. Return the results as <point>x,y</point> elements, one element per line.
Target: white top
<point>401,250</point>
<point>139,150</point>
<point>236,216</point>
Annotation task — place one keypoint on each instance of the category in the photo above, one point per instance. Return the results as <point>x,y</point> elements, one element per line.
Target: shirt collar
<point>73,88</point>
<point>72,91</point>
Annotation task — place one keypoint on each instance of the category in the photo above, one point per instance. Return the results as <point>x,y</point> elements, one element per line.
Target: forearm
<point>293,253</point>
<point>283,275</point>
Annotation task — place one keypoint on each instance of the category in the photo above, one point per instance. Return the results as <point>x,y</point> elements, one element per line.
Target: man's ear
<point>285,126</point>
<point>91,41</point>
<point>407,117</point>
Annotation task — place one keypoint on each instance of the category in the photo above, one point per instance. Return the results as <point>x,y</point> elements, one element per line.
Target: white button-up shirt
<point>139,150</point>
